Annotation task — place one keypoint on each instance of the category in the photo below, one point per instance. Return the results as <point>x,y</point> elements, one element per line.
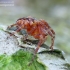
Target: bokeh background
<point>55,12</point>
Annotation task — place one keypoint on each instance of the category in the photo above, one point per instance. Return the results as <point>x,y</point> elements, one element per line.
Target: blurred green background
<point>55,12</point>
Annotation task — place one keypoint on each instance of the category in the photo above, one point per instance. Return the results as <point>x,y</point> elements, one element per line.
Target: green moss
<point>19,61</point>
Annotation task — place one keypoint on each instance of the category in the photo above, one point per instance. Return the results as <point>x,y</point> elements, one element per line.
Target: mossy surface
<point>19,61</point>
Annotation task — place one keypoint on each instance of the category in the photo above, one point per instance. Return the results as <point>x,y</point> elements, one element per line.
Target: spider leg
<point>11,25</point>
<point>41,41</point>
<point>52,39</point>
<point>17,30</point>
<point>52,31</point>
<point>52,34</point>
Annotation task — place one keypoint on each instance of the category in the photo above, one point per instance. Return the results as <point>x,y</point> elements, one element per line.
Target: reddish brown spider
<point>39,29</point>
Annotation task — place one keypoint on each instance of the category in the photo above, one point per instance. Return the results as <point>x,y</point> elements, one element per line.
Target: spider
<point>39,29</point>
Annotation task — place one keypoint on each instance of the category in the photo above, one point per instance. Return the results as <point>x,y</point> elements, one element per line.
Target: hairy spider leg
<point>52,34</point>
<point>41,41</point>
<point>36,50</point>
